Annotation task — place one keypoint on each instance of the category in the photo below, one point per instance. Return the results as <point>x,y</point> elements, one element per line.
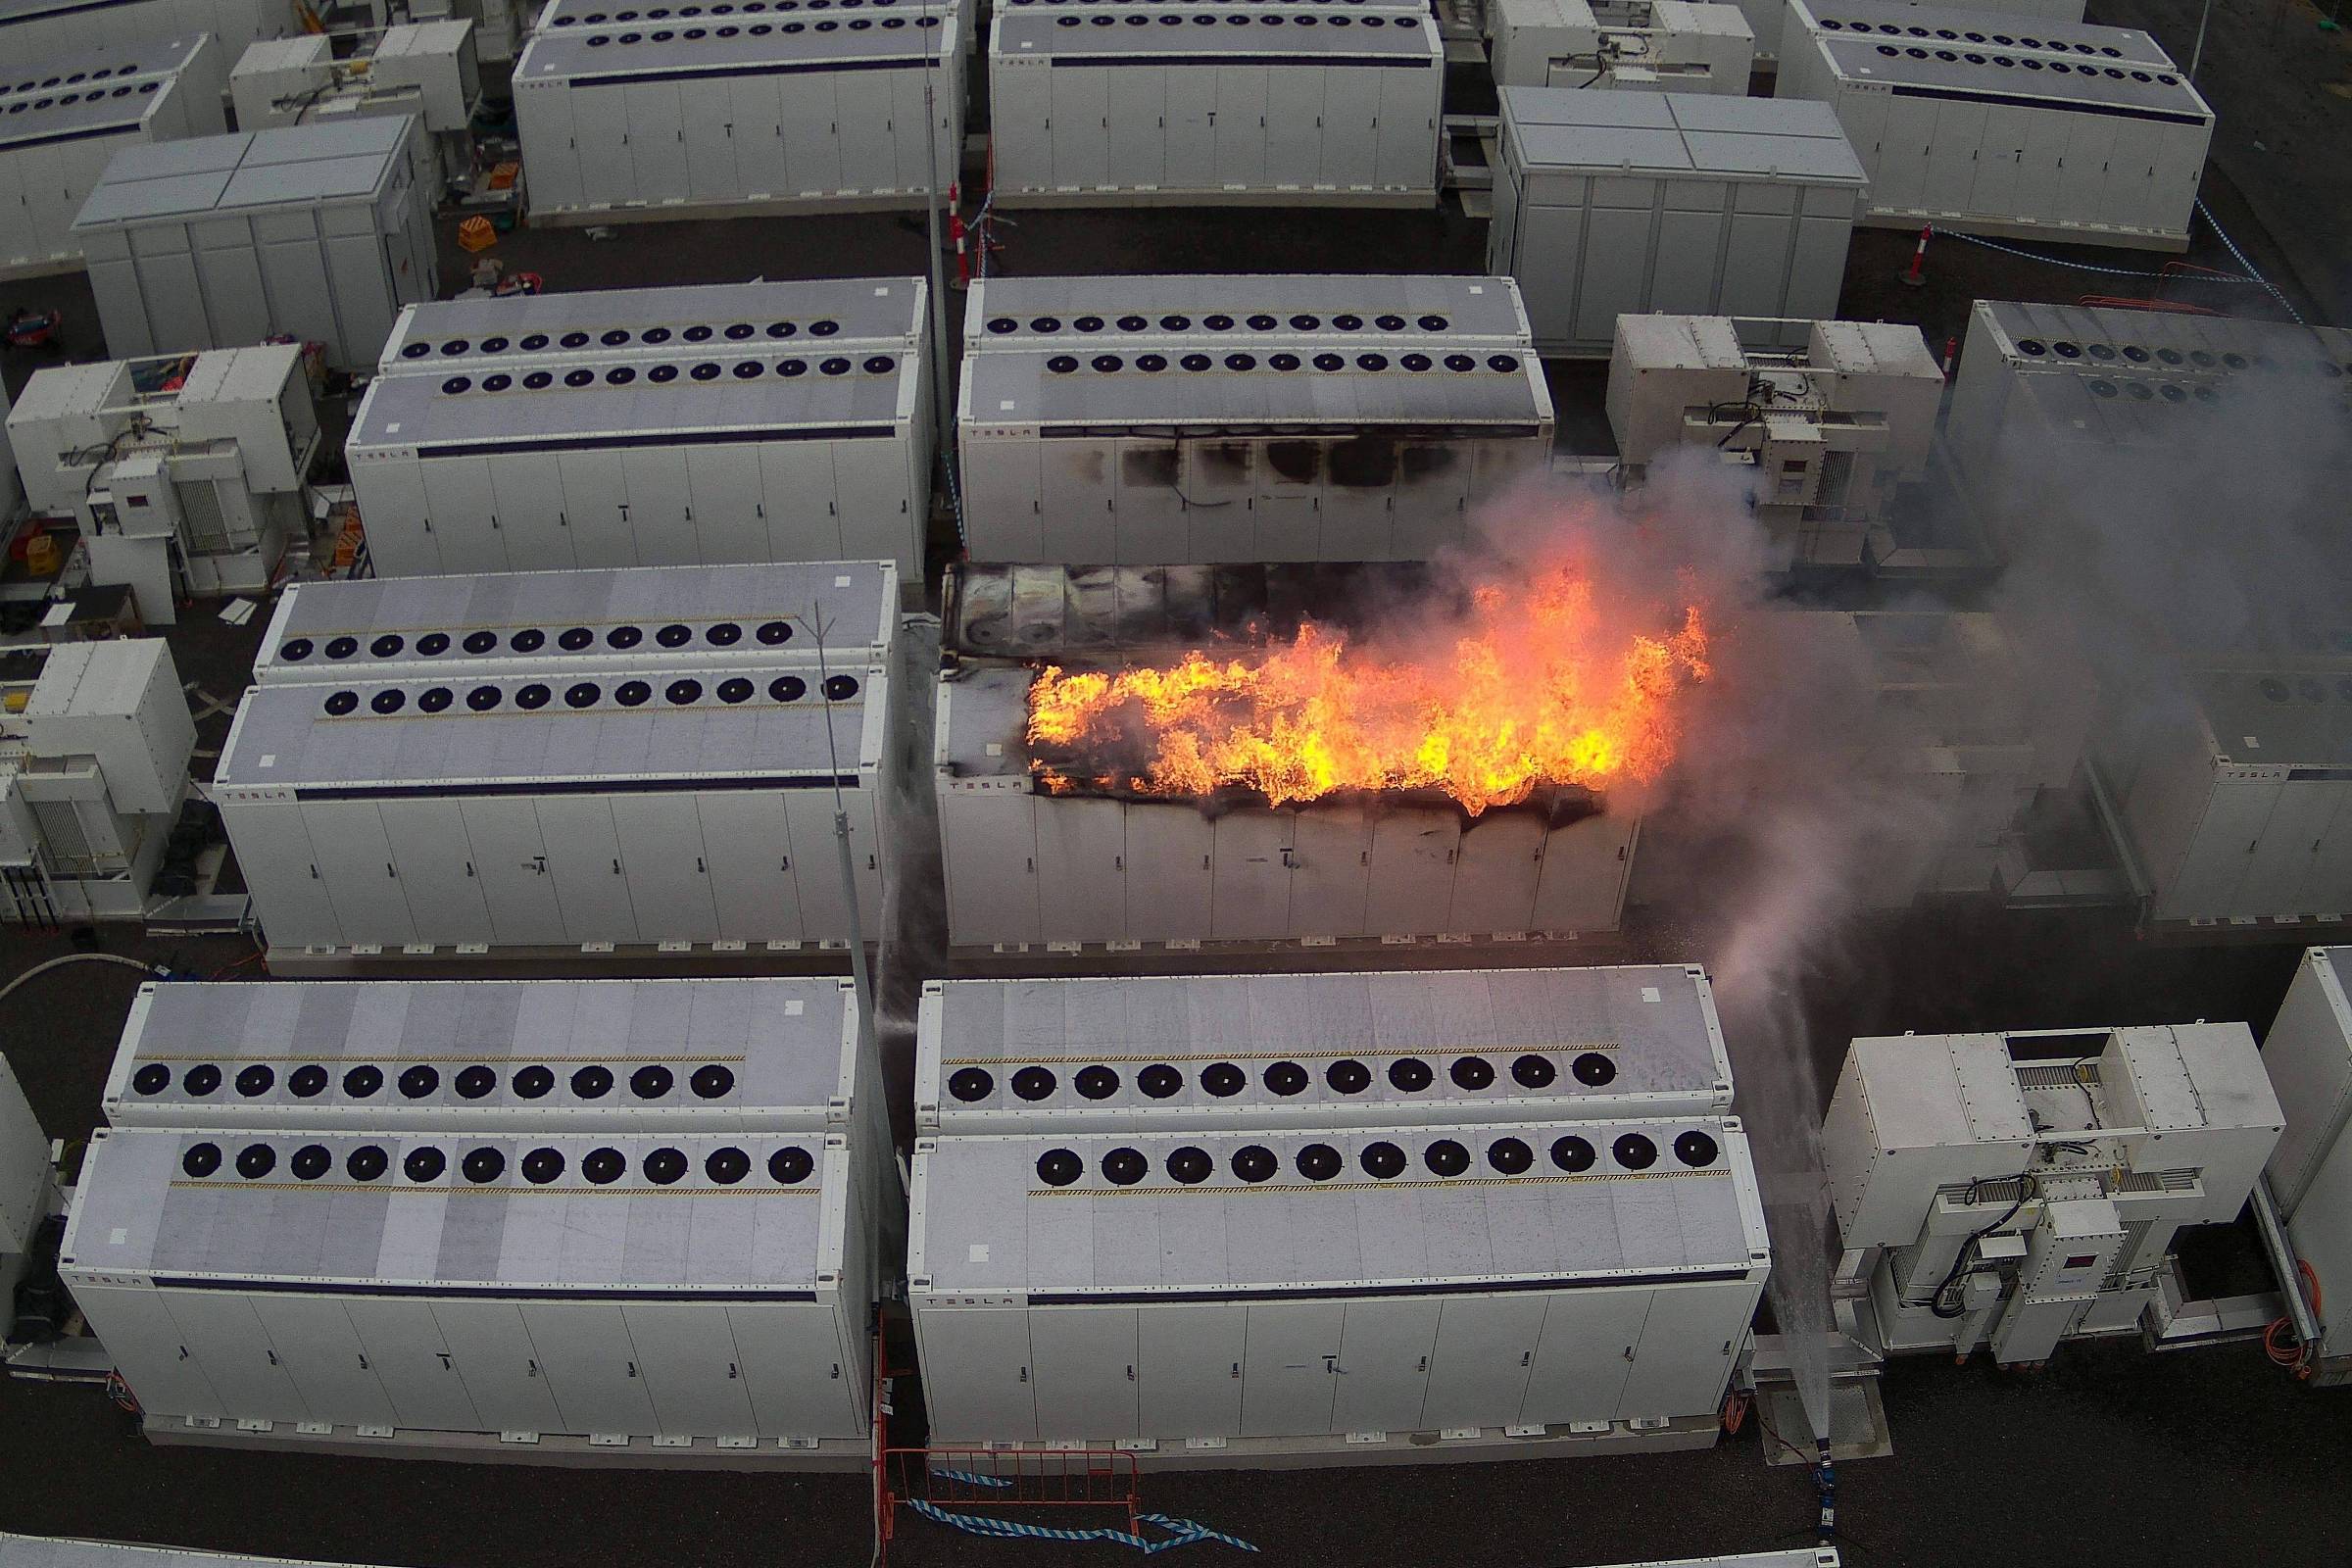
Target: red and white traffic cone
<point>1917,275</point>
<point>963,257</point>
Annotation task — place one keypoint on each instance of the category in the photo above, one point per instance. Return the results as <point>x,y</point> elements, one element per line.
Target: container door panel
<point>1899,173</point>
<point>226,1338</point>
<point>323,1353</point>
<point>1409,886</point>
<point>707,110</point>
<point>660,508</point>
<point>824,908</point>
<point>527,492</point>
<point>583,857</point>
<point>1241,126</point>
<point>1495,878</point>
<point>1294,126</point>
<point>872,504</point>
<point>989,840</point>
<point>2276,869</point>
<point>596,503</point>
<point>1589,1340</point>
<point>1684,1357</point>
<point>909,144</point>
<point>1020,103</point>
<point>1331,852</point>
<point>747,835</point>
<point>811,138</point>
<point>1614,279</point>
<point>411,1356</point>
<point>2215,866</point>
<point>1382,1373</point>
<point>669,873</point>
<point>496,1357</point>
<point>591,1367</point>
<point>795,500</point>
<point>1077,490</point>
<point>723,492</point>
<point>1171,850</point>
<point>1250,897</point>
<point>2039,169</point>
<point>390,492</point>
<point>799,1388</point>
<point>510,856</point>
<point>868,162</point>
<point>1080,126</point>
<point>1004,510</point>
<point>1350,127</point>
<point>1288,510</point>
<point>600,129</point>
<point>161,1369</point>
<point>1287,1367</point>
<point>1356,522</point>
<point>1688,245</point>
<point>1755,264</point>
<point>1191,96</point>
<point>1082,870</point>
<point>462,505</point>
<point>757,131</point>
<point>656,141</point>
<point>1478,1371</point>
<point>1219,491</point>
<point>1408,132</point>
<point>1951,171</point>
<point>1138,136</point>
<point>348,846</point>
<point>288,887</point>
<point>2001,149</point>
<point>1189,1370</point>
<point>692,1372</point>
<point>1082,1359</point>
<point>437,876</point>
<point>2328,881</point>
<point>977,1378</point>
<point>1581,882</point>
<point>1434,480</point>
<point>1149,511</point>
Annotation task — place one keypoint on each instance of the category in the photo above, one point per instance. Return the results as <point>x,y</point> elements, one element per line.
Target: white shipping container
<point>320,231</point>
<point>1209,1288</point>
<point>1024,867</point>
<point>63,117</point>
<point>1973,122</point>
<point>1125,102</point>
<point>35,29</point>
<point>658,122</point>
<point>1331,1050</point>
<point>583,807</point>
<point>1609,203</point>
<point>699,1291</point>
<point>637,617</point>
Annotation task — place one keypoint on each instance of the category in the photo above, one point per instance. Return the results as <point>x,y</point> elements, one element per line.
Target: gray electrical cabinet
<point>35,29</point>
<point>649,427</point>
<point>1127,102</point>
<point>1238,1295</point>
<point>1618,203</point>
<point>1990,123</point>
<point>1103,1054</point>
<point>1026,867</point>
<point>572,806</point>
<point>649,618</point>
<point>323,232</point>
<point>64,116</point>
<point>622,119</point>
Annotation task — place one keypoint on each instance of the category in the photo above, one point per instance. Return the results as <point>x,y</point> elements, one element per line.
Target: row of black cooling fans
<point>1224,1079</point>
<point>1381,1160</point>
<point>423,1081</point>
<point>787,1166</point>
<point>532,696</point>
<point>530,639</point>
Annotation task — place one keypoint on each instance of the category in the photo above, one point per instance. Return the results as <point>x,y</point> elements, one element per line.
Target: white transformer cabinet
<point>1977,122</point>
<point>1025,866</point>
<point>1258,430</point>
<point>1822,436</point>
<point>646,119</point>
<point>2016,1190</point>
<point>1608,204</point>
<point>63,117</point>
<point>35,30</point>
<point>1353,1295</point>
<point>2308,1054</point>
<point>1326,1049</point>
<point>1122,102</point>
<point>646,618</point>
<point>589,431</point>
<point>498,24</point>
<point>185,473</point>
<point>428,69</point>
<point>578,806</point>
<point>1634,45</point>
<point>320,233</point>
<point>528,1289</point>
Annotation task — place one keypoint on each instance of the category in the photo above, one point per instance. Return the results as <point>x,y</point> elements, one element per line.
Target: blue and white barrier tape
<point>1182,1532</point>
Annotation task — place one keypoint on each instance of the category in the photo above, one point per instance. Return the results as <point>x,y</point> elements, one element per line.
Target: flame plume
<point>1535,690</point>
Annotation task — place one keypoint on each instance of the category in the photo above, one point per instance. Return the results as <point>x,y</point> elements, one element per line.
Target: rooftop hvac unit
<point>1383,311</point>
<point>692,1290</point>
<point>1635,45</point>
<point>470,1056</point>
<point>1610,203</point>
<point>2099,140</point>
<point>317,233</point>
<point>601,325</point>
<point>1329,1050</point>
<point>639,618</point>
<point>657,121</point>
<point>583,806</point>
<point>38,30</point>
<point>63,115</point>
<point>2019,1190</point>
<point>1025,865</point>
<point>1125,102</point>
<point>716,451</point>
<point>1210,1289</point>
<point>2308,1055</point>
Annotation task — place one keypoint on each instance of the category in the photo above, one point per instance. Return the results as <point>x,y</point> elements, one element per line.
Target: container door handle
<point>733,1371</point>
<point>633,1369</point>
<point>364,1363</point>
<point>532,1367</point>
<point>700,867</point>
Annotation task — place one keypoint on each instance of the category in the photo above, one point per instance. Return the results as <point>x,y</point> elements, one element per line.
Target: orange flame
<point>1533,692</point>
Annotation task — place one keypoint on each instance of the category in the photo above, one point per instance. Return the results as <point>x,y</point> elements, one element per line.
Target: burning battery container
<point>1128,102</point>
<point>63,115</point>
<point>749,423</point>
<point>654,121</point>
<point>1633,45</point>
<point>36,29</point>
<point>1616,203</point>
<point>1244,419</point>
<point>1991,124</point>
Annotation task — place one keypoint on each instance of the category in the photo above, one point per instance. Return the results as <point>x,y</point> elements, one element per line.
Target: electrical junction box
<point>1651,45</point>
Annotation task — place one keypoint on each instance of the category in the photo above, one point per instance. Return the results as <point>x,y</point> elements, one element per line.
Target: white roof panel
<point>1561,129</point>
<point>302,165</point>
